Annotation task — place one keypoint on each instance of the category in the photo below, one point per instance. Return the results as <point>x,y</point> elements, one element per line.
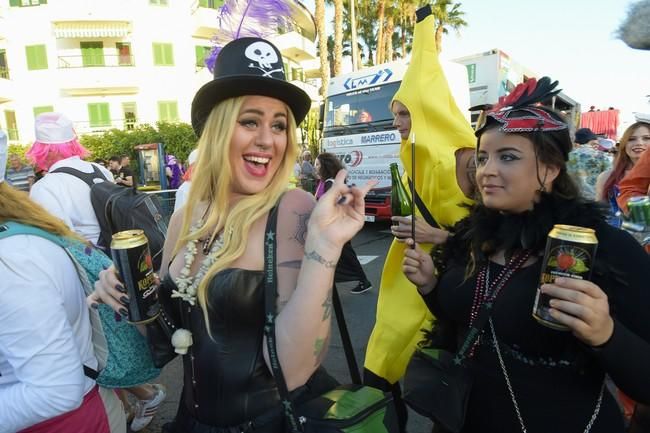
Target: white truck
<point>358,125</point>
<point>493,74</point>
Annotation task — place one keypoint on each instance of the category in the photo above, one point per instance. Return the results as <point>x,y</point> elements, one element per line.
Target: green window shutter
<point>14,3</point>
<point>43,109</point>
<point>163,54</point>
<point>36,57</point>
<point>157,54</point>
<point>201,54</point>
<point>212,4</point>
<point>169,55</point>
<point>99,114</point>
<point>167,111</point>
<point>92,53</point>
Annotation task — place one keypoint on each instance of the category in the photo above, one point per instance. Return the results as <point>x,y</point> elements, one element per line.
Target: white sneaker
<point>146,409</point>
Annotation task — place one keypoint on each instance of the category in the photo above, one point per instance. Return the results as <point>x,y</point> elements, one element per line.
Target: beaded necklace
<point>487,293</point>
<point>187,285</point>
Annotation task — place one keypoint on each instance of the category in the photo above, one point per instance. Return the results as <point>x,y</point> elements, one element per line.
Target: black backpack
<point>121,208</point>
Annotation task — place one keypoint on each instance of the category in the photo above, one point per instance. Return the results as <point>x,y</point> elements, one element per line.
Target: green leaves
<point>178,140</point>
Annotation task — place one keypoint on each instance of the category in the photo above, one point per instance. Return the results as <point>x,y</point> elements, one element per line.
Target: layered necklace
<point>187,285</point>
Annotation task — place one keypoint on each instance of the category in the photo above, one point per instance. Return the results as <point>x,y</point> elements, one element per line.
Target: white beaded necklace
<point>187,285</point>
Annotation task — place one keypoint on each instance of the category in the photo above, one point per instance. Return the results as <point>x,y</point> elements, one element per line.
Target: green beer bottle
<point>400,202</point>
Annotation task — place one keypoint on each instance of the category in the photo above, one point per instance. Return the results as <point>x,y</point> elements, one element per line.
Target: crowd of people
<point>480,231</point>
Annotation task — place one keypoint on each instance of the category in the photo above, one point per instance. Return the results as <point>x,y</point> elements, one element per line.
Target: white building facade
<point>119,63</point>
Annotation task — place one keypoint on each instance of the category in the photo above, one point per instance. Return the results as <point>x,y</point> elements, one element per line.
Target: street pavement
<point>371,245</point>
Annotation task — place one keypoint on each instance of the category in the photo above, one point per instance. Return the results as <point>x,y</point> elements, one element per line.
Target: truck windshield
<point>360,106</point>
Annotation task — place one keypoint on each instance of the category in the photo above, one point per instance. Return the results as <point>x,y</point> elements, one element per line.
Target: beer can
<point>570,252</point>
<point>639,209</point>
<point>131,256</point>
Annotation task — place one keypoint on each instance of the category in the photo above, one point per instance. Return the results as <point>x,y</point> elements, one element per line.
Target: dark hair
<point>115,158</point>
<point>330,164</point>
<point>622,160</point>
<point>551,148</point>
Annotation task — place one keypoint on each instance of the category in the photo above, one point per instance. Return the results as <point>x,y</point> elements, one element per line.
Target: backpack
<point>80,254</point>
<point>122,353</point>
<point>119,208</point>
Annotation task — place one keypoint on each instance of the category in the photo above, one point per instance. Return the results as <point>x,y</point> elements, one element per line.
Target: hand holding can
<point>570,252</point>
<point>132,259</point>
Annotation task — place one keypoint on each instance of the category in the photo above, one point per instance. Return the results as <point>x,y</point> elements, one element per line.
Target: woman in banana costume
<point>444,147</point>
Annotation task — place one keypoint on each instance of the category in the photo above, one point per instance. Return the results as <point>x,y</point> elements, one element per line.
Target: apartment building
<point>120,63</point>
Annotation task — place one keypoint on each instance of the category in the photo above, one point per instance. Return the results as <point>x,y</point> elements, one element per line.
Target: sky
<point>572,41</point>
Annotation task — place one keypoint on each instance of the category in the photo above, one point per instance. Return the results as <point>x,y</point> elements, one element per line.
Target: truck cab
<point>358,128</point>
<point>358,125</point>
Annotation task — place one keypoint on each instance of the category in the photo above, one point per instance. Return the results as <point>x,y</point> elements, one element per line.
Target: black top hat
<point>248,66</point>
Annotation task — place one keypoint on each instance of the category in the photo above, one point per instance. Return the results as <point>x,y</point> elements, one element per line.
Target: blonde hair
<point>211,183</point>
<point>16,206</point>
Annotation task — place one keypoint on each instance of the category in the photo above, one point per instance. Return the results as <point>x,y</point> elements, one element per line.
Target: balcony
<point>92,61</point>
<point>85,127</point>
<point>295,46</point>
<point>204,21</point>
<point>311,68</point>
<point>97,74</point>
<point>309,89</point>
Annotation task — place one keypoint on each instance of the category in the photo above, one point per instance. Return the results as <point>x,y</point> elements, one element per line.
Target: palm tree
<point>381,8</point>
<point>366,23</point>
<point>322,46</point>
<point>447,15</point>
<point>406,15</point>
<point>338,36</point>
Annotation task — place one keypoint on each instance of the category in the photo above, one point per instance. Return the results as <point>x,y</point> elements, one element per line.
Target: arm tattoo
<point>313,255</point>
<point>301,231</point>
<point>327,306</point>
<point>293,264</point>
<point>320,347</point>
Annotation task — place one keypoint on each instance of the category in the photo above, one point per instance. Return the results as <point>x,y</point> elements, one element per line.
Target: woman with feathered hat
<point>216,257</point>
<point>528,377</point>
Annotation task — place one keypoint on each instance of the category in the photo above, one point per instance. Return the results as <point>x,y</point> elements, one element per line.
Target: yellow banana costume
<point>440,130</point>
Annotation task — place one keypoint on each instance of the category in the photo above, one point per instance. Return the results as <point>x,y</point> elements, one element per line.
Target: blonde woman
<point>214,285</point>
<point>45,337</point>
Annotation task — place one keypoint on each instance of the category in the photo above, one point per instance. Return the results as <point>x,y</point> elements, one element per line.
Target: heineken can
<point>639,210</point>
<point>131,256</point>
<point>570,252</point>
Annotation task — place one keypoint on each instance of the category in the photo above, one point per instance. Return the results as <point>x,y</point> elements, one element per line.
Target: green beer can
<point>639,208</point>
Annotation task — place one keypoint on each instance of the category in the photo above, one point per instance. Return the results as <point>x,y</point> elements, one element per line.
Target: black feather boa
<point>485,231</point>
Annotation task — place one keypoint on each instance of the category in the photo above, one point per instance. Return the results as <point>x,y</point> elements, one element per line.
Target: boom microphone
<point>635,30</point>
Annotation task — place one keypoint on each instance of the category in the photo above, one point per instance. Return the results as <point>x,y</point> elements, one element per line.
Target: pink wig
<point>56,139</point>
<point>44,155</point>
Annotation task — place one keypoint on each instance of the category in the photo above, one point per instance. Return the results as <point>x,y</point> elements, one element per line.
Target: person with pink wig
<point>67,197</point>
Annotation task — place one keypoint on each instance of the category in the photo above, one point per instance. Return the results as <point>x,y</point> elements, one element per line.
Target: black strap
<point>270,295</point>
<point>345,337</point>
<point>91,372</point>
<point>423,208</point>
<point>88,178</point>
